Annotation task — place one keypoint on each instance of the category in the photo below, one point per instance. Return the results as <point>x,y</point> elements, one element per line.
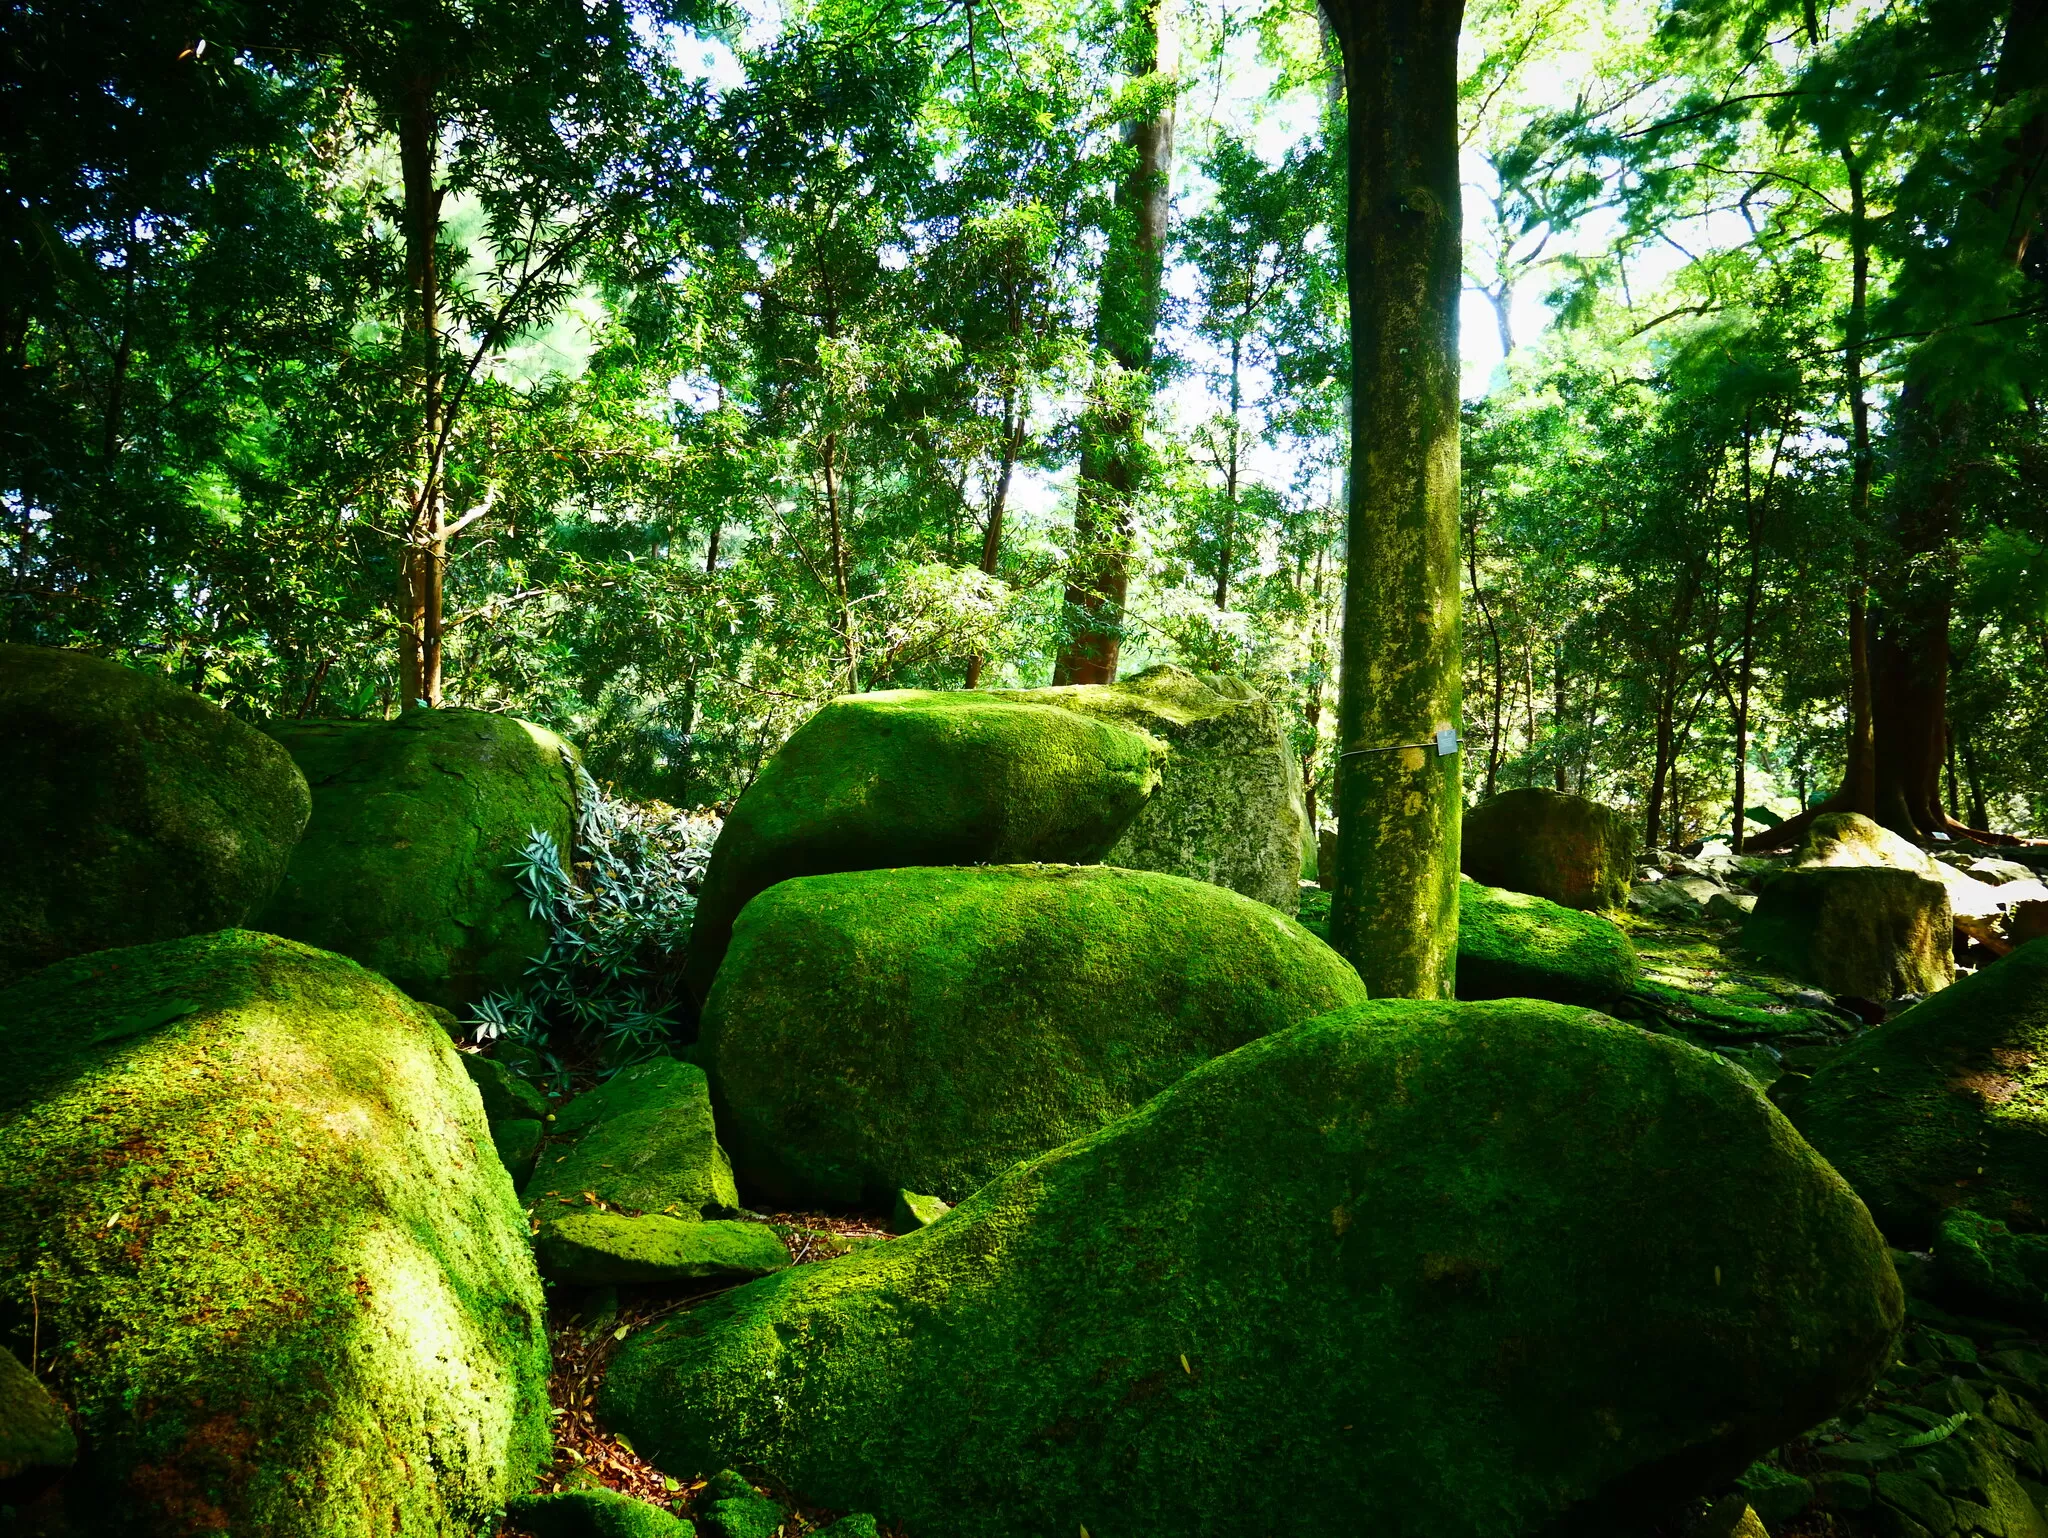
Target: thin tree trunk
<point>1496,724</point>
<point>1224,554</point>
<point>1745,673</point>
<point>838,534</point>
<point>1395,910</point>
<point>1126,322</point>
<point>1557,704</point>
<point>992,537</point>
<point>423,552</point>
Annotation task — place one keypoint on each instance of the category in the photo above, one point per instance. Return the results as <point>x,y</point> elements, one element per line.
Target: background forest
<point>708,364</point>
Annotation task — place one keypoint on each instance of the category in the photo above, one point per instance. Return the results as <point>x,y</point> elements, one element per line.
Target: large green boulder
<point>1867,931</point>
<point>1228,806</point>
<point>643,1140</point>
<point>1515,946</point>
<point>1850,838</point>
<point>1413,1269</point>
<point>595,1514</point>
<point>926,1028</point>
<point>1573,851</point>
<point>136,810</point>
<point>407,861</point>
<point>1944,1106</point>
<point>913,777</point>
<point>249,1204</point>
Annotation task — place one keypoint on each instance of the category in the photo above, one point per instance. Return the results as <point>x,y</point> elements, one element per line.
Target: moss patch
<point>596,1514</point>
<point>911,777</point>
<point>136,810</point>
<point>280,1273</point>
<point>406,861</point>
<point>925,1028</point>
<point>36,1441</point>
<point>1514,945</point>
<point>1946,1105</point>
<point>1413,1269</point>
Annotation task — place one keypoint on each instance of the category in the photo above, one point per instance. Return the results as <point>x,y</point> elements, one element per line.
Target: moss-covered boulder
<point>1869,931</point>
<point>1944,1106</point>
<point>1983,1266</point>
<point>599,1249</point>
<point>1850,838</point>
<point>1228,806</point>
<point>135,810</point>
<point>926,1028</point>
<point>36,1441</point>
<point>595,1514</point>
<point>1575,852</point>
<point>642,1140</point>
<point>276,1262</point>
<point>1512,945</point>
<point>406,863</point>
<point>1413,1269</point>
<point>915,777</point>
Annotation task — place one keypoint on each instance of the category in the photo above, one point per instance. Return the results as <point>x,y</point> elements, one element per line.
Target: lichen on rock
<point>1412,1269</point>
<point>407,860</point>
<point>136,810</point>
<point>276,1265</point>
<point>925,1028</point>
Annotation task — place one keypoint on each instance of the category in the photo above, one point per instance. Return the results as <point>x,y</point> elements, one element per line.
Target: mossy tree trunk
<point>1395,909</point>
<point>1127,320</point>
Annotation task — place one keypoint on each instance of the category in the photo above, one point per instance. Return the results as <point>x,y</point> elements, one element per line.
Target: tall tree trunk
<point>1395,910</point>
<point>836,528</point>
<point>1745,667</point>
<point>1557,703</point>
<point>1495,722</point>
<point>1126,322</point>
<point>423,553</point>
<point>1229,540</point>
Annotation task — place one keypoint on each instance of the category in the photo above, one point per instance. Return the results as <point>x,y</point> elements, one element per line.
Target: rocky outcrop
<point>913,777</point>
<point>642,1140</point>
<point>1940,1107</point>
<point>1871,931</point>
<point>275,1260</point>
<point>1512,945</point>
<point>1228,806</point>
<point>407,861</point>
<point>1415,1268</point>
<point>1572,851</point>
<point>926,1028</point>
<point>136,810</point>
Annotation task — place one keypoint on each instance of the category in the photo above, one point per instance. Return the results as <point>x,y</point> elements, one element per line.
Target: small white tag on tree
<point>1446,741</point>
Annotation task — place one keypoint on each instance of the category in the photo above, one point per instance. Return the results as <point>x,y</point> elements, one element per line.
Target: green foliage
<point>614,927</point>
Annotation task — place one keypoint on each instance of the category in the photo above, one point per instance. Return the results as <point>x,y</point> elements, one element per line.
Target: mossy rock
<point>913,777</point>
<point>1984,1267</point>
<point>1850,838</point>
<point>595,1514</point>
<point>1413,1269</point>
<point>643,1140</point>
<point>271,1247</point>
<point>1228,806</point>
<point>518,1143</point>
<point>136,810</point>
<point>1866,931</point>
<point>604,1249</point>
<point>926,1028</point>
<point>36,1441</point>
<point>1512,945</point>
<point>1944,1106</point>
<point>732,1508</point>
<point>406,863</point>
<point>1575,852</point>
<point>506,1096</point>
